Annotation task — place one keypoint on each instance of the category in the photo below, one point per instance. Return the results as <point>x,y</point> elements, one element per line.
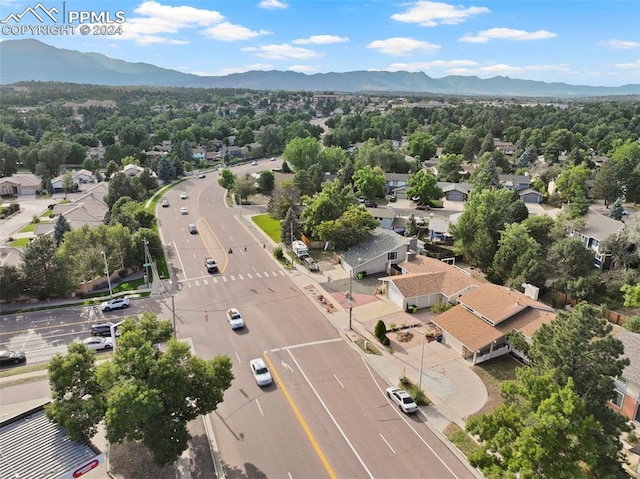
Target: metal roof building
<point>33,447</point>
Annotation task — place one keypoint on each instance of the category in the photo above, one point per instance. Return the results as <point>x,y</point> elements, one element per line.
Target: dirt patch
<point>131,460</point>
<point>493,373</point>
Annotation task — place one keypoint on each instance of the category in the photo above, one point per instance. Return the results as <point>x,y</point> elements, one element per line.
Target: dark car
<point>11,357</point>
<point>423,207</point>
<point>370,204</point>
<point>103,329</point>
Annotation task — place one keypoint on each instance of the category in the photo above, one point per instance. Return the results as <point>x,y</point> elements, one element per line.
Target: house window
<point>617,398</point>
<point>391,256</point>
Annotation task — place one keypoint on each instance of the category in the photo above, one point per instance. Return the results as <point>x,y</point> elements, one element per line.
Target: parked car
<point>423,207</point>
<point>192,229</point>
<point>165,203</point>
<point>370,204</point>
<point>103,329</point>
<point>393,199</point>
<point>402,399</point>
<point>211,265</point>
<point>310,263</point>
<point>98,343</point>
<point>115,303</point>
<point>8,358</point>
<point>260,372</point>
<point>202,175</point>
<point>235,319</point>
<point>273,159</point>
<point>254,163</point>
<point>184,211</point>
<point>183,195</point>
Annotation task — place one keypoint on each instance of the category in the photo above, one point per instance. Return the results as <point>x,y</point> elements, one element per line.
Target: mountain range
<point>32,60</point>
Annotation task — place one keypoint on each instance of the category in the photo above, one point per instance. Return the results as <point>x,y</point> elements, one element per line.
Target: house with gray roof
<point>626,399</point>
<point>19,185</point>
<point>529,195</point>
<point>376,254</point>
<point>385,216</point>
<point>515,182</point>
<point>455,191</point>
<point>597,228</point>
<point>395,180</point>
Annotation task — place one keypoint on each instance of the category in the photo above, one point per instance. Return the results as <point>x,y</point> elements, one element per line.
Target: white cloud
<point>506,34</point>
<point>629,66</point>
<point>228,32</point>
<point>402,46</point>
<point>321,40</point>
<point>302,69</point>
<point>282,51</point>
<point>430,14</point>
<point>238,69</point>
<point>424,66</point>
<point>622,44</point>
<point>181,15</point>
<point>272,4</point>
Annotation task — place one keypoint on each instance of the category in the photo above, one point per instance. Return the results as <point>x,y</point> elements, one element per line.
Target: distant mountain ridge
<point>27,60</point>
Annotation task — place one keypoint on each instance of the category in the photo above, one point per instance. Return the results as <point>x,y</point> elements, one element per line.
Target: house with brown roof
<point>478,325</point>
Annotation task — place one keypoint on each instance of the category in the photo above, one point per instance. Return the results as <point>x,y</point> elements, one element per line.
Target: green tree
<point>301,153</point>
<point>518,258</point>
<point>144,394</point>
<point>166,171</point>
<point>266,181</point>
<point>227,179</point>
<point>421,145</point>
<point>332,158</point>
<point>486,175</point>
<point>632,324</point>
<point>82,249</point>
<point>45,272</point>
<point>284,196</point>
<point>424,187</point>
<point>616,210</point>
<point>449,168</point>
<point>11,282</point>
<point>290,225</point>
<point>8,160</point>
<point>572,183</point>
<point>271,137</point>
<point>471,146</point>
<point>122,185</point>
<point>606,184</point>
<point>185,153</point>
<point>245,187</point>
<point>568,259</point>
<point>542,229</point>
<point>631,295</point>
<point>148,180</point>
<point>369,182</point>
<point>412,226</point>
<point>60,227</point>
<point>327,205</point>
<point>112,167</point>
<point>348,230</point>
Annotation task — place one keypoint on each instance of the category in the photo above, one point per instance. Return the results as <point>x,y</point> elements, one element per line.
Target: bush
<point>278,253</point>
<point>380,330</point>
<point>385,340</point>
<point>441,307</point>
<point>35,219</point>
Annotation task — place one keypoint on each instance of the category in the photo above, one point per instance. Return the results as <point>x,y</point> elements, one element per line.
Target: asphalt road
<point>326,414</point>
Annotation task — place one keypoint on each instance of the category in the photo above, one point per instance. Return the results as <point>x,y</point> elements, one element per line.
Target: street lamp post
<point>106,270</point>
<point>173,313</point>
<point>421,361</point>
<point>350,300</point>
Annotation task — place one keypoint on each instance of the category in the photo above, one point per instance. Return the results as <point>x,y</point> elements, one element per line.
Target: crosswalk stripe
<point>215,280</point>
<point>206,283</point>
<point>224,278</point>
<point>233,278</point>
<point>240,276</point>
<point>197,283</point>
<point>266,273</point>
<point>258,275</point>
<point>249,276</point>
<point>282,273</point>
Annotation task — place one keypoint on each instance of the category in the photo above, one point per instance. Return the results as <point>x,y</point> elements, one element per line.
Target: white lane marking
<point>407,422</point>
<point>304,345</point>
<point>258,275</point>
<point>197,283</point>
<point>215,280</point>
<point>254,269</point>
<point>266,274</point>
<point>240,276</point>
<point>238,356</point>
<point>290,476</point>
<point>387,442</point>
<point>338,381</point>
<point>282,273</point>
<point>206,283</point>
<point>258,404</point>
<point>233,278</point>
<point>249,276</point>
<point>286,366</point>
<point>224,278</point>
<point>331,416</point>
<point>184,272</point>
<point>189,284</point>
<point>194,255</point>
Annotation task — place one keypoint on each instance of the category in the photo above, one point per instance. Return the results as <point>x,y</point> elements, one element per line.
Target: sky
<point>580,42</point>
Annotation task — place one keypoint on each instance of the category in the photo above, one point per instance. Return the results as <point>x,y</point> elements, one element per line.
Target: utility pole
<point>146,261</point>
<point>106,270</point>
<point>173,312</point>
<point>350,299</point>
<point>292,245</point>
<point>421,362</point>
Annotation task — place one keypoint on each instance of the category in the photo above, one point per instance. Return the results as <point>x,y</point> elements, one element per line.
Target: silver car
<point>260,372</point>
<point>402,399</point>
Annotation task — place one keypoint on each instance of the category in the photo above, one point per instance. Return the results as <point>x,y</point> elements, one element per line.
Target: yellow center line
<point>224,252</point>
<point>303,423</point>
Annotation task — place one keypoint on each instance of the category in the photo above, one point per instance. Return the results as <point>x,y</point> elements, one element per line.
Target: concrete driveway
<point>28,208</point>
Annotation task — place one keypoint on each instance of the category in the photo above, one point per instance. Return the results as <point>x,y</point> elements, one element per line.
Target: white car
<point>183,195</point>
<point>402,399</point>
<point>235,319</point>
<point>165,203</point>
<point>115,303</point>
<point>254,163</point>
<point>184,211</point>
<point>98,343</point>
<point>260,372</point>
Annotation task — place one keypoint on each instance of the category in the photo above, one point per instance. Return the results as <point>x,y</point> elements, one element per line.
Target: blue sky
<point>587,42</point>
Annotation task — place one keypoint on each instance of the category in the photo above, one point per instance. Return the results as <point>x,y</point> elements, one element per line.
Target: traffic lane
<point>388,442</point>
<point>259,434</point>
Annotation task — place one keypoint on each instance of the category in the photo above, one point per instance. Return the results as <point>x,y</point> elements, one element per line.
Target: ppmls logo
<point>40,20</point>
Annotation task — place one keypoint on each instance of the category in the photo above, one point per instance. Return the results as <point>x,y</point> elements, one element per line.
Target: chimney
<point>411,255</point>
<point>531,291</point>
<point>413,244</point>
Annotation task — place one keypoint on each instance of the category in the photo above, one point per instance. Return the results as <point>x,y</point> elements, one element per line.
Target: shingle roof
<point>419,284</point>
<point>471,331</point>
<point>378,242</point>
<point>599,226</point>
<point>631,343</point>
<point>33,447</point>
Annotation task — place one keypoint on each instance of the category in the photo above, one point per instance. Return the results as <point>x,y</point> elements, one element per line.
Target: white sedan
<point>183,195</point>
<point>98,343</point>
<point>184,211</point>
<point>260,372</point>
<point>235,319</point>
<point>402,399</point>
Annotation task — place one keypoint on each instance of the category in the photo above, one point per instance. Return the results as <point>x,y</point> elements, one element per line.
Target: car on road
<point>192,229</point>
<point>235,319</point>
<point>183,195</point>
<point>8,358</point>
<point>402,399</point>
<point>211,265</point>
<point>273,159</point>
<point>393,198</point>
<point>98,343</point>
<point>254,163</point>
<point>423,207</point>
<point>202,175</point>
<point>370,204</point>
<point>165,203</point>
<point>103,329</point>
<point>260,372</point>
<point>310,263</point>
<point>115,303</point>
<point>184,211</point>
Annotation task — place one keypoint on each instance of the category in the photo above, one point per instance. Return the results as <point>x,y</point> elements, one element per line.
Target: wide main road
<point>326,415</point>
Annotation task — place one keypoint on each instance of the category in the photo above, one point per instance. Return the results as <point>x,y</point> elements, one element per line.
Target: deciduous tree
<point>227,179</point>
<point>369,182</point>
<point>421,145</point>
<point>424,187</point>
<point>348,230</point>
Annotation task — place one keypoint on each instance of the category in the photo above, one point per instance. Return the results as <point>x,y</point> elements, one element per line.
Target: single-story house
<point>597,228</point>
<point>515,182</point>
<point>439,231</point>
<point>478,325</point>
<point>77,177</point>
<point>19,185</point>
<point>376,254</point>
<point>626,399</point>
<point>425,281</point>
<point>385,216</point>
<point>505,147</point>
<point>455,191</point>
<point>395,180</point>
<point>132,170</point>
<point>529,195</point>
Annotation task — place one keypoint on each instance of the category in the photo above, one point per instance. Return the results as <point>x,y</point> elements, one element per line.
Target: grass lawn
<point>461,439</point>
<point>492,373</point>
<point>29,228</point>
<point>20,243</point>
<point>47,213</point>
<point>270,226</point>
